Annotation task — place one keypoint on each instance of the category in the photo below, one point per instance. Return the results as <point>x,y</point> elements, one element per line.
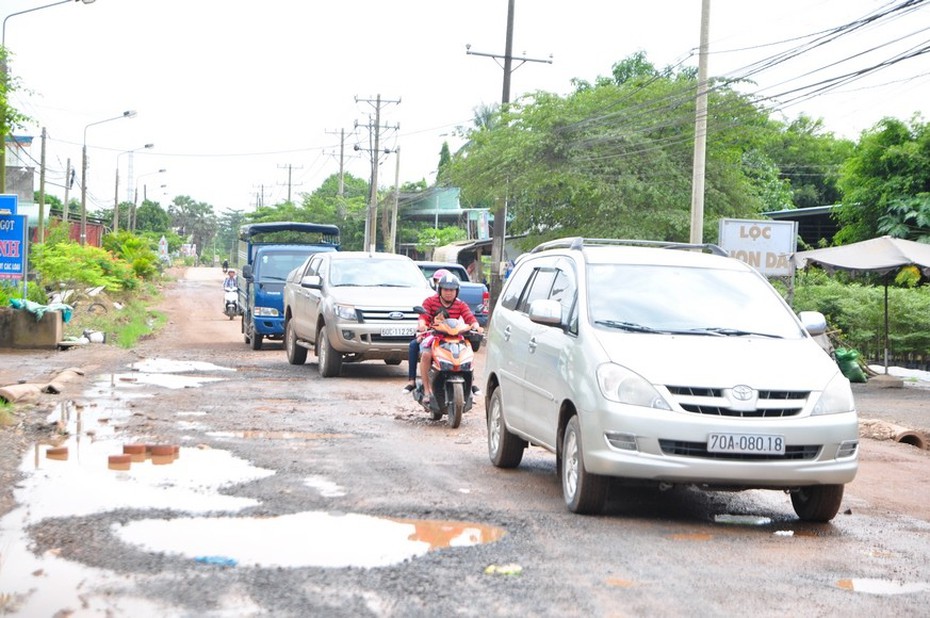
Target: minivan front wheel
<point>818,503</point>
<point>584,492</point>
<point>504,448</point>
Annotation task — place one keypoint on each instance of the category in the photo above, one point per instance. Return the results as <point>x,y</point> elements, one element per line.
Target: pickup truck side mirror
<point>247,271</point>
<point>314,282</point>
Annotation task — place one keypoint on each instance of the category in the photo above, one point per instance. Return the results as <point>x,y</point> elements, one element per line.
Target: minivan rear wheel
<point>504,448</point>
<point>818,503</point>
<point>584,492</point>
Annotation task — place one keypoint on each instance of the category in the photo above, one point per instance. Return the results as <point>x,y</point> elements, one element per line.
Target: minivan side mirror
<point>312,281</point>
<point>814,322</point>
<point>545,311</point>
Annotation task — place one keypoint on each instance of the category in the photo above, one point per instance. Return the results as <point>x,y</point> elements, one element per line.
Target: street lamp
<point>135,199</point>
<point>3,76</point>
<point>126,114</point>
<point>129,179</point>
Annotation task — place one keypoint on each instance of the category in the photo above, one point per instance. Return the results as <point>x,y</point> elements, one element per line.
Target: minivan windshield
<point>691,301</point>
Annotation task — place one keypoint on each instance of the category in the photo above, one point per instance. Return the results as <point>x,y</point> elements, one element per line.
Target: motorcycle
<point>453,346</point>
<point>231,302</point>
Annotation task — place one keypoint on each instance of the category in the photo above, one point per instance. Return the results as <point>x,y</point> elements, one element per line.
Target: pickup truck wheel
<point>329,360</point>
<point>296,355</point>
<point>256,341</point>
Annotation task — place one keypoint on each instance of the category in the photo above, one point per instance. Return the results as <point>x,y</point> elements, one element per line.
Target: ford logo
<point>396,315</point>
<point>742,393</point>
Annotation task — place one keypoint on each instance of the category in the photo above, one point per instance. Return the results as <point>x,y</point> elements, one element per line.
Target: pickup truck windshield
<point>275,265</point>
<point>375,273</point>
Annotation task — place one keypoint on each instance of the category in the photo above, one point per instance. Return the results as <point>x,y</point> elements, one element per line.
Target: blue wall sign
<point>12,246</point>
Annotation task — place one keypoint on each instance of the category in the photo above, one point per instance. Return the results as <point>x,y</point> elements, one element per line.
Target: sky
<point>245,102</point>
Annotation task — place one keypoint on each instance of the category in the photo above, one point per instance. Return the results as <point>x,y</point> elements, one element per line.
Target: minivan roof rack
<point>578,243</point>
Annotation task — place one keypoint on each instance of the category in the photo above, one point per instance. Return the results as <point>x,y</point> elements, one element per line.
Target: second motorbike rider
<point>445,300</point>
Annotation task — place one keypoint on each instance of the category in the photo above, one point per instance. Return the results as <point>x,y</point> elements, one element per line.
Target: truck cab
<point>267,253</point>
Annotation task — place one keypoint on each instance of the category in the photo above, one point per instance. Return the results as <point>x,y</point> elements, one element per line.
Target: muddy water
<point>94,467</point>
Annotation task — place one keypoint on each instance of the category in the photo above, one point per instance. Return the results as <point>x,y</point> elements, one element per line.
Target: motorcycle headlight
<point>837,397</point>
<point>624,386</point>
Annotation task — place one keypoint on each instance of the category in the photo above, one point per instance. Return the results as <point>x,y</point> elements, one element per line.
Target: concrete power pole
<point>700,132</point>
<point>498,233</point>
<point>371,220</point>
<point>290,170</point>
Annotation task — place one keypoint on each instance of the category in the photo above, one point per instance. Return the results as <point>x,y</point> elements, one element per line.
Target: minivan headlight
<point>624,386</point>
<point>836,398</point>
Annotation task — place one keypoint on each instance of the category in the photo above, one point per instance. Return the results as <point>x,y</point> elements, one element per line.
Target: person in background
<point>225,265</point>
<point>231,282</point>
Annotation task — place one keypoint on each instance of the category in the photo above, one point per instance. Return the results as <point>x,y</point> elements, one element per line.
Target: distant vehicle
<point>672,367</point>
<point>267,253</point>
<point>474,294</point>
<point>352,306</point>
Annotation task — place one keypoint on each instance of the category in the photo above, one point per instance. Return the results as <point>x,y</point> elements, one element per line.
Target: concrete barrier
<point>20,329</point>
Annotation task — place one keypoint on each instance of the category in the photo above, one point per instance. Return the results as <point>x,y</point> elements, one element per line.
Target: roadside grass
<point>6,413</point>
<point>125,318</point>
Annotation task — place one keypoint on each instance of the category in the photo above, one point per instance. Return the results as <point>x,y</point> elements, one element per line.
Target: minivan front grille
<point>713,402</point>
<point>699,449</point>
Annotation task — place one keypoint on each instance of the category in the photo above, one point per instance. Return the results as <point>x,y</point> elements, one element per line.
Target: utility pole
<point>700,132</point>
<point>375,137</point>
<point>342,147</point>
<point>64,206</point>
<point>499,231</point>
<point>41,232</point>
<point>290,169</point>
<point>392,240</point>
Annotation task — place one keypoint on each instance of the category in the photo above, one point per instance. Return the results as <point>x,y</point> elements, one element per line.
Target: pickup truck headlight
<point>265,312</point>
<point>624,386</point>
<point>345,312</point>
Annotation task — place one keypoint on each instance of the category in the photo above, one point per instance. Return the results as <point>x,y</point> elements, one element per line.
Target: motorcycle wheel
<point>458,405</point>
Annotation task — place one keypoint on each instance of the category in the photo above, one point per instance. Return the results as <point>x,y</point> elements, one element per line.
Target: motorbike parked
<point>231,302</point>
<point>453,347</point>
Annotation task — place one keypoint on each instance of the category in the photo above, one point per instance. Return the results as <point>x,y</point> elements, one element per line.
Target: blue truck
<point>267,253</point>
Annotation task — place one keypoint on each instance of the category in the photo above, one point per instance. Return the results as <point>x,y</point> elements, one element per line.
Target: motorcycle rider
<point>413,352</point>
<point>231,282</point>
<point>447,302</point>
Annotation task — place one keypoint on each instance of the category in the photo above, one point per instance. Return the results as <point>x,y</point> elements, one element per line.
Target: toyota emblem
<point>742,392</point>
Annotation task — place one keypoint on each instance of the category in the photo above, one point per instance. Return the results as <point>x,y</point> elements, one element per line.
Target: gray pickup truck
<point>351,306</point>
<point>474,294</point>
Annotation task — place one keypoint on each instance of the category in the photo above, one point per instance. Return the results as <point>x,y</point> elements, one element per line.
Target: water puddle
<point>882,586</point>
<point>308,539</point>
<point>327,488</point>
<point>253,434</point>
<point>165,365</point>
<point>742,520</point>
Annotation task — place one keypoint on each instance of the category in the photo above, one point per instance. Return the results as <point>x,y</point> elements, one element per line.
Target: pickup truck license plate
<point>755,444</point>
<point>398,331</point>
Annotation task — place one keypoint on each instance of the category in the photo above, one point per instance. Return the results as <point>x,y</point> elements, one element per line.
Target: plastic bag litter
<point>39,310</point>
<point>848,360</point>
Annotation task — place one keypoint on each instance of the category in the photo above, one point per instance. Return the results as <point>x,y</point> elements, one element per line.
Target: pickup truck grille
<point>384,315</point>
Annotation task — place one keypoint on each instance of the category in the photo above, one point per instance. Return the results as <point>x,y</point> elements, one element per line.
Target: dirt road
<point>290,495</point>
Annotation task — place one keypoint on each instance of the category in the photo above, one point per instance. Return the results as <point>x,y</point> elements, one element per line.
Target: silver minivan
<point>667,364</point>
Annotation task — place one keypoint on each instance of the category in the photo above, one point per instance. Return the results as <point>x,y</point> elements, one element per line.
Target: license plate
<point>746,443</point>
<point>398,331</point>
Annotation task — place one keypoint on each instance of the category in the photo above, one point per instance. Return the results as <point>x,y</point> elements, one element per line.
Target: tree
<point>151,217</point>
<point>890,163</point>
<point>193,220</point>
<point>445,159</point>
<point>613,158</point>
<point>810,160</point>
